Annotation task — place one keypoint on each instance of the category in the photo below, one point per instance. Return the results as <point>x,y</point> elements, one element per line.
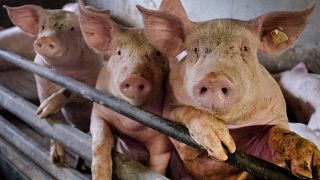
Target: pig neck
<point>266,108</point>
<point>85,62</point>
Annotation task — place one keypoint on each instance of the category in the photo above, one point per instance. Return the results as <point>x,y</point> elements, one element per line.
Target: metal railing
<point>251,164</point>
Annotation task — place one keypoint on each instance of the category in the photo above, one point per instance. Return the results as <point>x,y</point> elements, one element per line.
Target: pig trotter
<point>299,154</point>
<point>52,104</point>
<point>207,130</point>
<point>57,154</point>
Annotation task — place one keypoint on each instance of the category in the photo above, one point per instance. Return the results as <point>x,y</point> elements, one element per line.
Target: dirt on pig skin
<point>59,45</point>
<point>218,87</point>
<point>135,73</point>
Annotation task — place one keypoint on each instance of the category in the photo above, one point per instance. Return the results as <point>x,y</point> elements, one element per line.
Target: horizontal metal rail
<point>69,137</point>
<point>251,164</point>
<point>35,151</point>
<point>22,162</point>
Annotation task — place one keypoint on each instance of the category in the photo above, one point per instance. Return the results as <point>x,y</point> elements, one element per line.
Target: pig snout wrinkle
<point>47,46</point>
<point>214,93</point>
<point>135,87</point>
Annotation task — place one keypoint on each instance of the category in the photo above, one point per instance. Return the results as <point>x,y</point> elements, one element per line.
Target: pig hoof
<point>44,111</point>
<point>57,154</point>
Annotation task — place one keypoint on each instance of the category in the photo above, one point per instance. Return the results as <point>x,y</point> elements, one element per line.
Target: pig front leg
<point>160,149</point>
<point>55,102</point>
<point>299,154</point>
<point>206,130</point>
<point>102,143</point>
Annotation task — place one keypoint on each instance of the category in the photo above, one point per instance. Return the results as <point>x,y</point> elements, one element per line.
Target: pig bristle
<point>135,41</point>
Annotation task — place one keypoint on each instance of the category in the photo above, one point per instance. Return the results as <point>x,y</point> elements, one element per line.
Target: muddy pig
<point>302,93</point>
<point>221,93</point>
<point>59,45</point>
<point>134,73</point>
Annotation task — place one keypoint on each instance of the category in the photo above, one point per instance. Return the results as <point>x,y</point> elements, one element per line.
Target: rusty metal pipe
<point>251,164</point>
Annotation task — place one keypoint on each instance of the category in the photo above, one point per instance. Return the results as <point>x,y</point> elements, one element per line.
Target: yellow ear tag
<point>278,36</point>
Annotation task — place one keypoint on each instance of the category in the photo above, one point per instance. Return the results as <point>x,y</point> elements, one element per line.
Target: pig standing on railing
<point>135,72</point>
<point>59,45</point>
<point>221,93</point>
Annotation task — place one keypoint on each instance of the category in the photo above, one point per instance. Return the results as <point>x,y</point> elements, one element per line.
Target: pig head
<point>135,73</point>
<point>218,84</point>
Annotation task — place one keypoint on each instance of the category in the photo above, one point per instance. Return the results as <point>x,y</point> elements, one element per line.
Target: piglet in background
<point>59,45</point>
<point>302,93</point>
<point>135,72</point>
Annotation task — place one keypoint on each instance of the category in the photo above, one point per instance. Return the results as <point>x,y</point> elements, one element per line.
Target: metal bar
<point>260,168</point>
<point>23,163</point>
<point>35,151</point>
<point>9,171</point>
<point>70,137</point>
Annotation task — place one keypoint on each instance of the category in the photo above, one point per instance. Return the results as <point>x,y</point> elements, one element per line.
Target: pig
<point>135,73</point>
<point>8,41</point>
<point>219,91</point>
<point>302,93</point>
<point>59,45</point>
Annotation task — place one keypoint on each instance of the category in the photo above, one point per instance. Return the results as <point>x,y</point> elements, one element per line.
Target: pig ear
<point>301,67</point>
<point>280,29</point>
<point>26,17</point>
<point>165,31</point>
<point>175,7</point>
<point>97,27</point>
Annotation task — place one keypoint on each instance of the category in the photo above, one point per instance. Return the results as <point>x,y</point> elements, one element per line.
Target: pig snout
<point>47,46</point>
<point>135,87</point>
<point>214,91</point>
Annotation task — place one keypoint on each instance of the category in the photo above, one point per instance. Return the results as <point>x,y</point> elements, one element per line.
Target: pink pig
<point>221,93</point>
<point>59,46</point>
<point>135,72</point>
<point>302,93</point>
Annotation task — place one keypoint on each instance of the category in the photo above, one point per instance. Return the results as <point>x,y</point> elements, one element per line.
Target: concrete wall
<point>307,48</point>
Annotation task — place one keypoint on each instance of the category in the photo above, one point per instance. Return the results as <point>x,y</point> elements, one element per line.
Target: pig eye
<point>72,28</point>
<point>245,48</point>
<point>158,53</point>
<point>119,52</point>
<point>42,27</point>
<point>195,50</point>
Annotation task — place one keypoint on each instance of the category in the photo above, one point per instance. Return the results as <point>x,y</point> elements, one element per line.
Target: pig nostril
<point>224,90</point>
<point>51,46</point>
<point>203,90</point>
<point>141,87</point>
